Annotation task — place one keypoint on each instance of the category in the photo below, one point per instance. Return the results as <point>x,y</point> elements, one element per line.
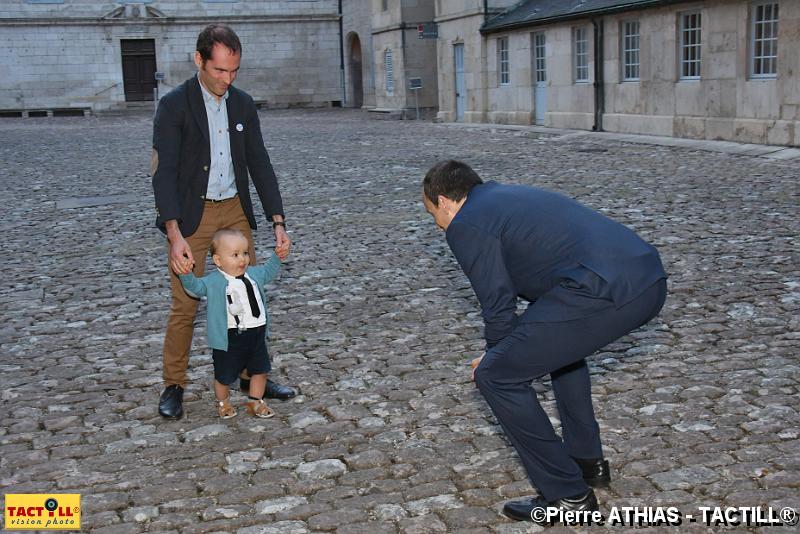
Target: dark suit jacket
<point>182,156</point>
<point>518,241</point>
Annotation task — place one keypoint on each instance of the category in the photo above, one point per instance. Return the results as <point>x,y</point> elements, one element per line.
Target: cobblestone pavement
<point>374,323</point>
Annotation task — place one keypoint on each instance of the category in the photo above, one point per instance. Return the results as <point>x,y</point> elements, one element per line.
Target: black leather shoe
<point>244,384</point>
<point>277,391</point>
<point>272,391</point>
<point>535,508</point>
<point>596,472</point>
<point>170,405</point>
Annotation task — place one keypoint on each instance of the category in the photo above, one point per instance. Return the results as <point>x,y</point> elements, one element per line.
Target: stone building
<point>402,53</point>
<point>706,69</point>
<point>89,54</point>
<point>358,57</point>
<point>464,90</point>
<point>714,69</point>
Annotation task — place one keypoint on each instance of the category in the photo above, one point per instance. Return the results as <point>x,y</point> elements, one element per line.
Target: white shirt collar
<point>229,277</point>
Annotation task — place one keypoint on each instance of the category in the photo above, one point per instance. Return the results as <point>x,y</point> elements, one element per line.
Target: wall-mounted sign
<point>427,30</point>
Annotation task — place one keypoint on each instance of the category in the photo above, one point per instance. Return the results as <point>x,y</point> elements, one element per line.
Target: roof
<point>535,12</point>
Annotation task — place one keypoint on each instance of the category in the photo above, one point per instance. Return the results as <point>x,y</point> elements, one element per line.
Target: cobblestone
<point>375,324</point>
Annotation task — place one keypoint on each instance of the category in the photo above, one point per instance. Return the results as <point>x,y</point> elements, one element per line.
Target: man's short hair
<point>450,178</point>
<point>217,33</point>
<point>219,235</point>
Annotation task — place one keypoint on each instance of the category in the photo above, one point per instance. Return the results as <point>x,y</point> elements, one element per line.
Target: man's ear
<point>447,204</point>
<point>198,59</point>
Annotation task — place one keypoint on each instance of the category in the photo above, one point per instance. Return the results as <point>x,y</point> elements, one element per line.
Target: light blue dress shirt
<point>221,179</point>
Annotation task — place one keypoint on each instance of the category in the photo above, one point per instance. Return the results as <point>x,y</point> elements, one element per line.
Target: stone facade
<point>459,23</point>
<point>725,102</point>
<point>359,59</point>
<point>67,54</point>
<point>401,55</point>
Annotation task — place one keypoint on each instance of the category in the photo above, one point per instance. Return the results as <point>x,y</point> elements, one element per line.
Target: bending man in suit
<point>206,140</point>
<point>588,281</point>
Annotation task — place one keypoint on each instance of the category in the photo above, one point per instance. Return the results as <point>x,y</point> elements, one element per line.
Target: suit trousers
<point>536,348</point>
<point>180,325</point>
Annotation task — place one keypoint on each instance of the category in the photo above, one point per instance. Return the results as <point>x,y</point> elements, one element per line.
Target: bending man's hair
<point>451,179</point>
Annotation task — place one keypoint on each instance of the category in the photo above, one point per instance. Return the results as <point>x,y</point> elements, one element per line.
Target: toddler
<point>237,323</point>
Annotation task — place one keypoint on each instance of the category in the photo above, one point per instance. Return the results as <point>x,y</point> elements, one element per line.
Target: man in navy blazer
<point>587,280</point>
<point>206,141</point>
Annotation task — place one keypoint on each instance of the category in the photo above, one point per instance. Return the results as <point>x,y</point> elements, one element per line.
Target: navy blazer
<point>519,241</point>
<point>182,156</point>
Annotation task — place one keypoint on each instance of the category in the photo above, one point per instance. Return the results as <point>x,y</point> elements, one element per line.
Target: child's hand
<point>282,252</point>
<point>180,256</point>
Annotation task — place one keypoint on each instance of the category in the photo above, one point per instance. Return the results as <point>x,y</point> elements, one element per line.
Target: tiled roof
<point>533,12</point>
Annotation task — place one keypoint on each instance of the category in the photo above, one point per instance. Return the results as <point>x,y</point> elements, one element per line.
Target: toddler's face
<point>232,255</point>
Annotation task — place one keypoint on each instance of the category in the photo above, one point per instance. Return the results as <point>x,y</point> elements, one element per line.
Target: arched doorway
<point>354,67</point>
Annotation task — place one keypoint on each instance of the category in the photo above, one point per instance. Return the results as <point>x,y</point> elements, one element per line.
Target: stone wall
<point>42,9</point>
<point>725,103</point>
<point>462,30</point>
<point>459,22</point>
<point>68,54</point>
<point>357,21</point>
<point>510,103</point>
<point>395,29</point>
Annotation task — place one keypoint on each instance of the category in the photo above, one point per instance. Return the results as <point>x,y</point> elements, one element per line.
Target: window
<point>389,67</point>
<point>689,40</point>
<point>539,61</point>
<point>384,5</point>
<point>764,41</point>
<point>580,54</point>
<point>502,47</point>
<point>630,51</point>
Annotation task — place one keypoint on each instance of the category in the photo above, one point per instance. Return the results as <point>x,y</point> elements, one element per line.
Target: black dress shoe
<point>272,391</point>
<point>244,384</point>
<point>596,472</point>
<point>170,405</point>
<point>277,391</point>
<point>535,508</point>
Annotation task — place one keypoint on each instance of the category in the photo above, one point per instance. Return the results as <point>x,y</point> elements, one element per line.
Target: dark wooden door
<point>138,69</point>
<point>355,72</point>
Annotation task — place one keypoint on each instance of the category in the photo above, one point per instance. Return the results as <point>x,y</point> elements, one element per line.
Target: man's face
<point>232,255</point>
<point>440,214</point>
<point>219,72</point>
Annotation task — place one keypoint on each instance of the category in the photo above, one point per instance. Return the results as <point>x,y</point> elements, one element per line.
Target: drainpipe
<point>599,81</point>
<point>341,56</point>
<point>405,66</point>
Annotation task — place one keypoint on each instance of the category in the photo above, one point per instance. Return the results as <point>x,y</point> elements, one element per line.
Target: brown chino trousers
<point>180,325</point>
